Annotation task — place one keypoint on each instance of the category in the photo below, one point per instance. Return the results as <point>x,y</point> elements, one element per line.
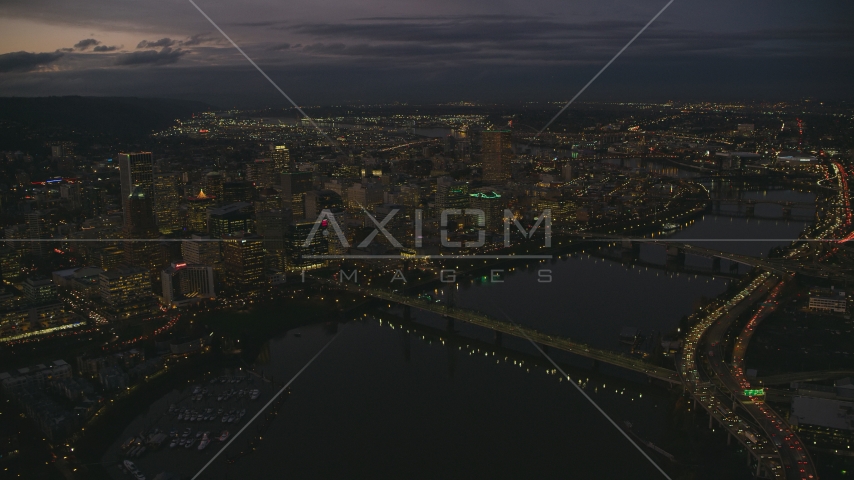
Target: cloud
<point>163,42</point>
<point>385,50</point>
<point>104,48</point>
<point>199,39</point>
<point>269,23</point>
<point>530,40</point>
<point>86,43</point>
<point>151,57</point>
<point>281,46</point>
<point>26,61</point>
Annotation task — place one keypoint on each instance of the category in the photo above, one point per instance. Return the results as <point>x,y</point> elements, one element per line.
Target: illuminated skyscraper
<point>197,212</point>
<point>294,187</point>
<point>492,205</point>
<point>125,293</point>
<point>497,151</point>
<point>39,290</point>
<point>451,193</point>
<point>140,231</point>
<point>200,250</point>
<point>233,192</point>
<point>261,172</point>
<point>296,250</point>
<point>167,197</point>
<point>230,219</point>
<point>213,184</point>
<point>139,221</point>
<point>243,260</point>
<point>38,228</point>
<point>281,159</point>
<point>135,170</point>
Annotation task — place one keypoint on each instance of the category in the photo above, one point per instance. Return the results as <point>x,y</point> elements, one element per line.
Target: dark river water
<point>388,400</point>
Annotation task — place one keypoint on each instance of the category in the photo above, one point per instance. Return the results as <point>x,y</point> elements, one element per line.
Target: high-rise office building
<point>71,193</point>
<point>243,261</point>
<point>10,264</point>
<point>135,170</point>
<point>39,291</point>
<point>197,211</point>
<point>139,213</point>
<point>125,292</point>
<point>139,246</point>
<point>319,200</point>
<point>363,195</point>
<point>261,172</point>
<point>492,205</point>
<point>109,257</point>
<point>233,192</point>
<point>497,151</point>
<point>230,219</point>
<point>184,283</point>
<point>281,159</point>
<point>298,253</point>
<point>92,199</point>
<point>38,229</point>
<point>451,193</point>
<point>294,187</point>
<point>167,197</point>
<point>213,184</point>
<point>273,226</point>
<point>269,198</point>
<point>201,249</point>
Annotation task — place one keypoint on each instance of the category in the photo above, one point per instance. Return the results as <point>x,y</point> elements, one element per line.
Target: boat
<point>669,227</point>
<point>174,443</point>
<point>190,443</point>
<point>205,441</point>
<point>130,466</point>
<point>223,436</point>
<point>255,394</point>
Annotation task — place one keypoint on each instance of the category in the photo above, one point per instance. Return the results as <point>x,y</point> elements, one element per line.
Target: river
<point>387,400</point>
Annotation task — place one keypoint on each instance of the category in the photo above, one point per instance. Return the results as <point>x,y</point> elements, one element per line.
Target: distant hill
<point>105,117</point>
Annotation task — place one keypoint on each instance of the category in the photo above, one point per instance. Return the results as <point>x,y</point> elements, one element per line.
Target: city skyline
<point>399,239</point>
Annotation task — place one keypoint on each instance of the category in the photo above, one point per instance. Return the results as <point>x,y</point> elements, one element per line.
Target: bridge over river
<point>509,328</point>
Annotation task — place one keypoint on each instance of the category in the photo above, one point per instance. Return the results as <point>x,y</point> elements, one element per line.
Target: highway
<point>707,394</point>
<point>733,384</point>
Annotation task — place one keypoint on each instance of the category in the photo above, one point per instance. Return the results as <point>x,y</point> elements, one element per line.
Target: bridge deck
<point>553,341</point>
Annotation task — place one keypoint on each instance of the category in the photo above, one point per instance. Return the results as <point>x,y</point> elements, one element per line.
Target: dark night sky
<point>329,51</point>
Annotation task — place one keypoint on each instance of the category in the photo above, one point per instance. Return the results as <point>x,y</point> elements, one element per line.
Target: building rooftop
<point>823,412</point>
